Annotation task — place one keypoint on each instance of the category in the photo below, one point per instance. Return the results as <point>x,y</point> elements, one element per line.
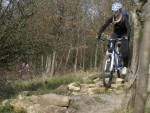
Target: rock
<point>37,108</point>
<point>75,93</point>
<point>19,105</point>
<point>33,99</point>
<point>93,76</point>
<point>119,80</point>
<point>25,93</point>
<point>110,90</point>
<point>96,90</point>
<point>34,104</point>
<point>20,97</point>
<point>74,87</point>
<point>117,86</point>
<point>119,92</point>
<point>91,91</point>
<point>55,109</point>
<point>4,102</point>
<point>84,85</point>
<point>53,99</point>
<point>62,90</point>
<point>96,80</point>
<point>99,84</point>
<point>71,110</point>
<point>91,85</point>
<point>84,88</point>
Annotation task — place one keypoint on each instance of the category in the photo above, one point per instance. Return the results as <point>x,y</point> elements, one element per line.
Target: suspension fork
<point>112,61</point>
<point>106,60</point>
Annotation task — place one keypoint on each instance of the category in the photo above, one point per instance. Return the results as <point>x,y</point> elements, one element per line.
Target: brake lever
<point>102,39</point>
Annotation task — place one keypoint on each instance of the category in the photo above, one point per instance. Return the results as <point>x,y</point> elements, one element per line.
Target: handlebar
<point>116,39</point>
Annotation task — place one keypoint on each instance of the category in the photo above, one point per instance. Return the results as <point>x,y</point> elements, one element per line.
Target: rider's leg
<point>125,55</point>
<point>118,74</point>
<point>126,61</point>
<point>125,52</point>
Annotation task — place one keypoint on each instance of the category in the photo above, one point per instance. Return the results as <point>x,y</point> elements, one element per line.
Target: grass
<point>89,82</point>
<point>148,105</point>
<point>46,84</point>
<point>7,108</point>
<point>38,85</point>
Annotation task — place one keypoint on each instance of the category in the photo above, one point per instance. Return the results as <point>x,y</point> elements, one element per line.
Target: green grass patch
<point>7,108</point>
<point>45,85</point>
<point>40,85</point>
<point>148,105</point>
<point>89,82</point>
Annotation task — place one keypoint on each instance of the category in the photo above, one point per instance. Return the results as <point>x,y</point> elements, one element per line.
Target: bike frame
<point>113,57</point>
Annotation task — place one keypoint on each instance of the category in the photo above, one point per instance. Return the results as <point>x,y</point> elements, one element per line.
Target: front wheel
<point>107,73</point>
<point>107,79</point>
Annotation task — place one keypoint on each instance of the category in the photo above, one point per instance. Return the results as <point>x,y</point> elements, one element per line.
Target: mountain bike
<point>112,61</point>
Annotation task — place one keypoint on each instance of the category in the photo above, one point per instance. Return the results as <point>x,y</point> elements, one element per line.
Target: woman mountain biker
<point>121,28</point>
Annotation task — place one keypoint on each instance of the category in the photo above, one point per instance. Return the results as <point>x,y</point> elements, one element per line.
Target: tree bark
<point>42,63</point>
<point>83,63</point>
<point>67,59</point>
<point>143,69</point>
<point>53,64</point>
<point>48,63</point>
<point>134,42</point>
<point>96,51</point>
<point>76,60</point>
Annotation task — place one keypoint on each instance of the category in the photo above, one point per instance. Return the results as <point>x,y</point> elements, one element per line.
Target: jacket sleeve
<point>105,25</point>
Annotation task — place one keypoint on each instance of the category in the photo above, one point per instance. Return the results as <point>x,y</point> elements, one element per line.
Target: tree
<point>143,60</point>
<point>13,44</point>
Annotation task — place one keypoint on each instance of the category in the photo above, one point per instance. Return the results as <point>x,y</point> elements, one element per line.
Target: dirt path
<point>89,96</point>
<point>103,103</point>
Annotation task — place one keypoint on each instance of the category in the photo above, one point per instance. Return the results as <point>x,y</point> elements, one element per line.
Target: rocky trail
<point>97,99</point>
<point>91,104</point>
<point>90,97</point>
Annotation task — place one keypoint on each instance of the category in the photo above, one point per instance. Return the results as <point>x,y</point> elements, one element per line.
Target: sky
<point>5,3</point>
<point>90,9</point>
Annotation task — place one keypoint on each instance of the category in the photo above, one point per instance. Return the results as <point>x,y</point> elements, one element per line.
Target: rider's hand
<point>98,37</point>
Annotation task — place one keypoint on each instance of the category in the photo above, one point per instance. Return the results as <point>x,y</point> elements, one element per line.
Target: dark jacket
<point>121,28</point>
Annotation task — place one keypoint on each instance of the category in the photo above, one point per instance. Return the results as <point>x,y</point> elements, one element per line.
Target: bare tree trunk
<point>143,69</point>
<point>60,64</point>
<point>136,37</point>
<point>96,51</point>
<point>53,64</point>
<point>135,54</point>
<point>42,63</point>
<point>91,60</point>
<point>83,59</point>
<point>67,59</point>
<point>48,64</point>
<point>76,60</point>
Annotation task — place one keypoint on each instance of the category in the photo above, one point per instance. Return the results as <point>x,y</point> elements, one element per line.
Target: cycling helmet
<point>116,6</point>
